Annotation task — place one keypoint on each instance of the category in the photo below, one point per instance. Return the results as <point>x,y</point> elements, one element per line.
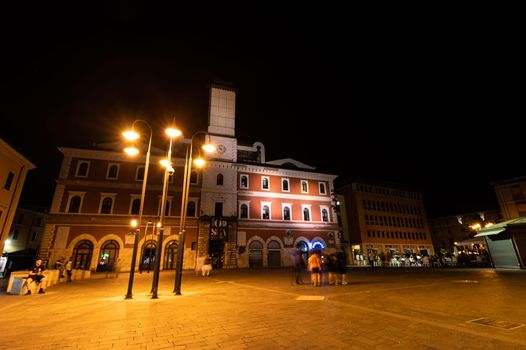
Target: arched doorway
<point>108,255</point>
<point>170,256</point>
<point>274,254</point>
<point>82,255</point>
<point>147,256</point>
<point>255,254</point>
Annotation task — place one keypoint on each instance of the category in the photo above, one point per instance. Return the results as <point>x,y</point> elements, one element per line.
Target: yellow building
<point>13,171</point>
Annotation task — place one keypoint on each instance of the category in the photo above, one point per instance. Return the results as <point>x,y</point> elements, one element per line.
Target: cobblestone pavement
<point>262,309</point>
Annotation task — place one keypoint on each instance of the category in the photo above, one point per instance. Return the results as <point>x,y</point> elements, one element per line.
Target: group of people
<point>332,265</point>
<point>36,273</point>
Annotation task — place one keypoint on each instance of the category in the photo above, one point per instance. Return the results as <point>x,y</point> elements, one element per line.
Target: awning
<point>490,231</point>
<point>500,227</point>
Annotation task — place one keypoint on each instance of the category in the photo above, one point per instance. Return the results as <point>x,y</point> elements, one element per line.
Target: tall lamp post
<point>199,162</point>
<point>131,135</point>
<point>168,170</point>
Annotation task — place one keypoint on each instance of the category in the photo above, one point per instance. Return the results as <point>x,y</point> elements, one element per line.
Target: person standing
<point>314,268</point>
<point>59,264</point>
<point>69,270</point>
<point>342,266</point>
<point>297,265</point>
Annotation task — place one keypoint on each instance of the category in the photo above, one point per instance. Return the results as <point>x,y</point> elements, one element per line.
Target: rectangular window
<point>194,177</point>
<point>139,174</point>
<point>9,180</point>
<point>34,236</point>
<point>322,188</point>
<point>218,209</point>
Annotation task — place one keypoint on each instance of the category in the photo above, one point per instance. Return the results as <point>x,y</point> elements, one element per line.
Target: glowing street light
<point>199,162</point>
<point>133,135</point>
<point>168,170</point>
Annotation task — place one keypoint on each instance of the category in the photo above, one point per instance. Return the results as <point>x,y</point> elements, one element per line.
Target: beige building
<point>26,230</point>
<point>511,195</point>
<point>384,221</point>
<point>13,171</point>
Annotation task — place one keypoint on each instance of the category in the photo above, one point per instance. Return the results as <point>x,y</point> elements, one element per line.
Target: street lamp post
<point>132,135</point>
<point>158,249</point>
<point>208,147</point>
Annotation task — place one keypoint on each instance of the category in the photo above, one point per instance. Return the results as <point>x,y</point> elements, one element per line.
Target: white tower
<point>219,189</point>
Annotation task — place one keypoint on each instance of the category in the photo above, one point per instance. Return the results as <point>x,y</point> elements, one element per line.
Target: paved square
<point>262,309</point>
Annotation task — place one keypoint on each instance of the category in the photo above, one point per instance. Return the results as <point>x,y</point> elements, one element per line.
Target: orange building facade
<point>243,211</point>
<point>385,222</point>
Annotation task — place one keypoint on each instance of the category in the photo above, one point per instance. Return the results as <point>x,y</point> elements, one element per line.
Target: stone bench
<point>17,280</point>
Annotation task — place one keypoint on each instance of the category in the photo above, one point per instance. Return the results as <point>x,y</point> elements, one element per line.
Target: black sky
<point>428,101</point>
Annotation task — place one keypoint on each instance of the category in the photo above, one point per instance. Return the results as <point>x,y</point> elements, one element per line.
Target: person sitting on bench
<point>37,275</point>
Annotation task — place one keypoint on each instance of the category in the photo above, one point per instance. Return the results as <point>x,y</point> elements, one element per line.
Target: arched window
<point>136,206</point>
<point>244,181</point>
<point>265,183</point>
<point>219,180</point>
<point>322,188</point>
<point>325,215</point>
<point>113,171</point>
<point>306,214</point>
<point>107,203</point>
<point>255,245</point>
<point>190,209</point>
<point>82,255</point>
<point>108,255</point>
<point>301,245</point>
<point>265,212</point>
<point>83,169</point>
<point>304,186</point>
<point>193,177</point>
<point>286,213</point>
<point>243,214</point>
<point>285,185</point>
<point>273,245</point>
<point>74,204</point>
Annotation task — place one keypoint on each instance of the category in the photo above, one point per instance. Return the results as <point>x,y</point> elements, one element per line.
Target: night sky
<point>432,104</point>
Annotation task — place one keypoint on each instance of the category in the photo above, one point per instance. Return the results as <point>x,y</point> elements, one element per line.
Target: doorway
<point>82,255</point>
<point>216,249</point>
<point>147,256</point>
<point>255,254</point>
<point>274,254</point>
